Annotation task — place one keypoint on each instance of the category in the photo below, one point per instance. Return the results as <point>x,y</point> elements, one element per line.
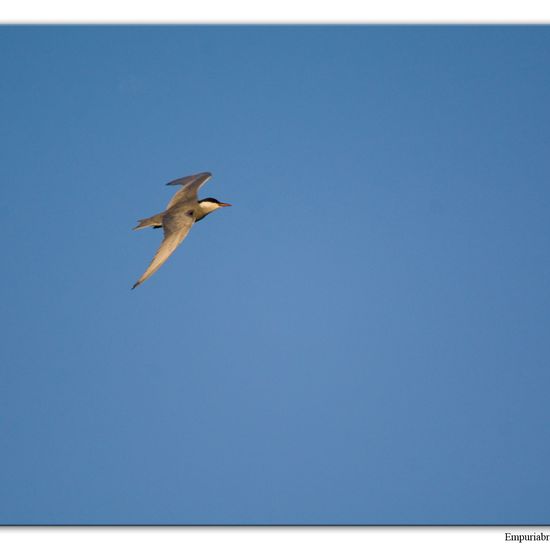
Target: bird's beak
<point>225,204</point>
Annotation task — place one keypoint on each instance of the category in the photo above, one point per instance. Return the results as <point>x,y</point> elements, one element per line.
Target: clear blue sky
<point>362,338</point>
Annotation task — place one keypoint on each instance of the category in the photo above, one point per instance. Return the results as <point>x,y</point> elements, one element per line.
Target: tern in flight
<point>183,210</point>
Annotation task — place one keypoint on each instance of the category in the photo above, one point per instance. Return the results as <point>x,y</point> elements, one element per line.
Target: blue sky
<point>361,338</point>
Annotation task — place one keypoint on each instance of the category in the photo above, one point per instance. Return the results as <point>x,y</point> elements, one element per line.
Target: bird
<point>183,210</point>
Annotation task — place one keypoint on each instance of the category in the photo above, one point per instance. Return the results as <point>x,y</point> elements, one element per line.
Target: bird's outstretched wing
<point>176,227</point>
<point>190,187</point>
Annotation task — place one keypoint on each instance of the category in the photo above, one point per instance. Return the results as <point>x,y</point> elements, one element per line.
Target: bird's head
<point>209,205</point>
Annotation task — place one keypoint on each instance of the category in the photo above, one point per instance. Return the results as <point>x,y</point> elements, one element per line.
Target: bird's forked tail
<point>153,221</point>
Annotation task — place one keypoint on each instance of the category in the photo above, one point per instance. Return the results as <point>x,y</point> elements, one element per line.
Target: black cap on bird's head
<point>215,201</point>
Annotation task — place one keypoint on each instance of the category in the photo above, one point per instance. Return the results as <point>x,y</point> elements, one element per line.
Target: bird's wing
<point>190,187</point>
<point>176,227</point>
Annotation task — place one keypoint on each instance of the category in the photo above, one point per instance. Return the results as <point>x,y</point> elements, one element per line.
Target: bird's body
<point>183,210</point>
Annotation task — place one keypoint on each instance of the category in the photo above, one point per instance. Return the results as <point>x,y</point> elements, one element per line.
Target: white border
<point>281,11</point>
<point>266,538</point>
